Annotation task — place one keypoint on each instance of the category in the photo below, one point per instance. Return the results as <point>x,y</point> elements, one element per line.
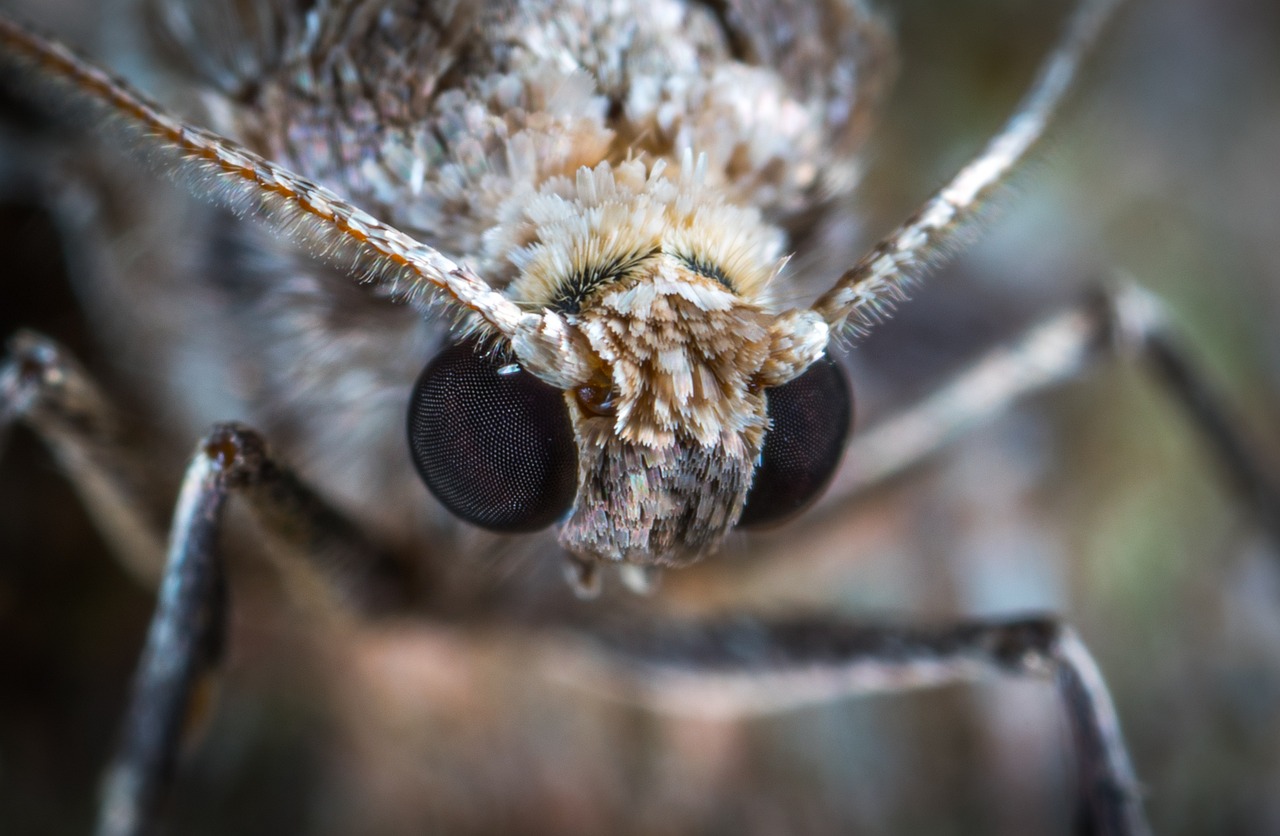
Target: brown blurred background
<point>1094,501</point>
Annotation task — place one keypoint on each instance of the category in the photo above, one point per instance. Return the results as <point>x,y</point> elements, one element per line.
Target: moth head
<point>654,402</point>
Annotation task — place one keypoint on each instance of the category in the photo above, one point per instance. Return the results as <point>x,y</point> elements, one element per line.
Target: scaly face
<point>664,288</point>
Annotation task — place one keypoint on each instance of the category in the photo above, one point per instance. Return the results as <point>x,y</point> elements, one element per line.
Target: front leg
<point>183,642</point>
<point>744,666</point>
<point>1126,323</point>
<point>338,570</point>
<point>187,628</point>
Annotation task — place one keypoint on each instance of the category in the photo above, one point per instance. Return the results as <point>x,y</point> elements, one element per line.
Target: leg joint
<point>237,452</point>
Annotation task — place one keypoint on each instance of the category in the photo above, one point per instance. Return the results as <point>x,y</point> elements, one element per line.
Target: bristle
<point>319,220</point>
<point>868,292</point>
<point>609,218</point>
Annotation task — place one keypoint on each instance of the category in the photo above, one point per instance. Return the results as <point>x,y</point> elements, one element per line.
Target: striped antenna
<point>866,293</point>
<point>249,184</point>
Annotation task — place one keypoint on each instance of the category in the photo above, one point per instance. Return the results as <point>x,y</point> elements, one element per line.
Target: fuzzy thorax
<point>665,289</point>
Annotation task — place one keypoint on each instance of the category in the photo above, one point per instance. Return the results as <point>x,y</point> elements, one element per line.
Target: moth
<point>571,215</point>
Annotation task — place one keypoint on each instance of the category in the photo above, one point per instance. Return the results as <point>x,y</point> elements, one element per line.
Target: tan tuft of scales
<point>667,286</point>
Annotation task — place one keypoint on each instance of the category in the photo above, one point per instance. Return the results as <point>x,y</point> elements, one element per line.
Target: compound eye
<point>492,442</point>
<point>809,421</point>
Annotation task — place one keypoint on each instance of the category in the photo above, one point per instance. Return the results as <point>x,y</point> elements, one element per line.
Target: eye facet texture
<point>809,422</point>
<point>491,441</point>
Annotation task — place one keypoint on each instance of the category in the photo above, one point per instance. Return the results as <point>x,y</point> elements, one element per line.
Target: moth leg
<point>1127,322</point>
<point>745,666</point>
<point>186,633</point>
<point>43,387</point>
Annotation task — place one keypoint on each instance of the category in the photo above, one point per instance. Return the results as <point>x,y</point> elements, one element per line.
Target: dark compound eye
<point>809,423</point>
<point>492,442</point>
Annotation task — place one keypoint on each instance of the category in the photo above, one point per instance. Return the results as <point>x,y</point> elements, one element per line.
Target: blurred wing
<point>212,165</point>
<point>838,54</point>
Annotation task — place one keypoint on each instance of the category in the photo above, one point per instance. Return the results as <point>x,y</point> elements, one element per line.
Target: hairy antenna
<point>249,184</point>
<point>868,291</point>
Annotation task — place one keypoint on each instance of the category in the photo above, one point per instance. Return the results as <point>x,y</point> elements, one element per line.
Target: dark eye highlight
<point>809,422</point>
<point>491,441</point>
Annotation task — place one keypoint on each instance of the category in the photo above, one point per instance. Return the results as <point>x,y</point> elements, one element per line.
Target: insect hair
<point>245,183</point>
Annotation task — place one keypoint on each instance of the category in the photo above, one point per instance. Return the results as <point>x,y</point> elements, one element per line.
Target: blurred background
<point>1095,501</point>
